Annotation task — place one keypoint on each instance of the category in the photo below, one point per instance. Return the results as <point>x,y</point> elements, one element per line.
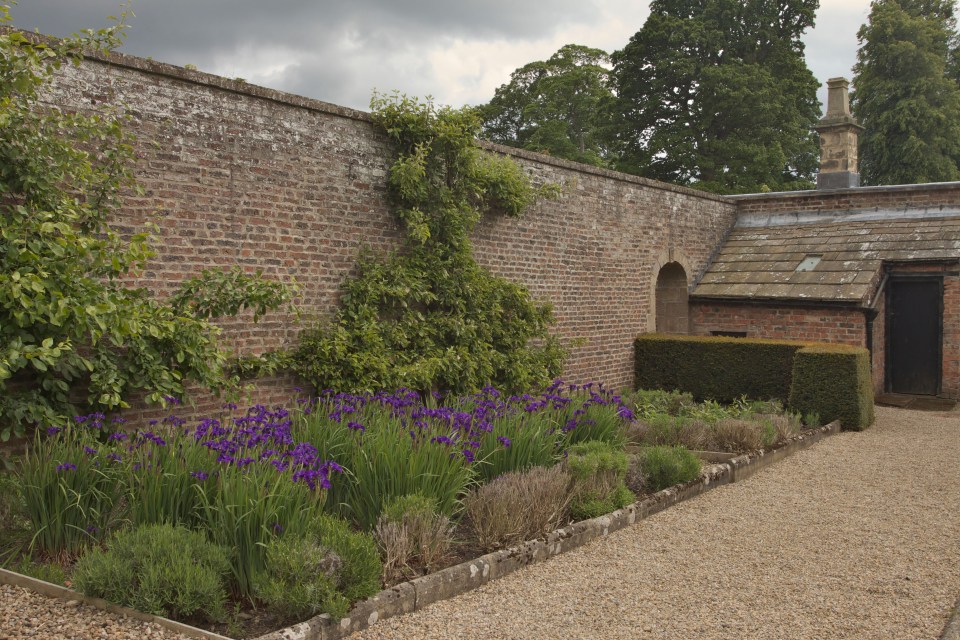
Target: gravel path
<point>24,614</point>
<point>857,537</point>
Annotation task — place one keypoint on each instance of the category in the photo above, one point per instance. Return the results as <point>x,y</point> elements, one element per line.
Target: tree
<point>429,317</point>
<point>716,94</point>
<point>906,93</point>
<point>553,106</point>
<point>75,334</point>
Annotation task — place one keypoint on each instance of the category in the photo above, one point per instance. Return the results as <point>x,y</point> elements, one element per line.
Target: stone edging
<point>467,576</point>
<point>952,629</point>
<point>55,591</point>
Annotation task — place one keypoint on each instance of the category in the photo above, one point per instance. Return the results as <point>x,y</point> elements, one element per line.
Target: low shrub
<point>47,571</point>
<point>667,430</point>
<point>634,479</point>
<point>666,466</point>
<point>412,536</point>
<point>300,580</point>
<point>739,436</point>
<point>359,575</point>
<point>518,506</point>
<point>14,525</point>
<point>598,472</point>
<point>648,402</point>
<point>160,569</point>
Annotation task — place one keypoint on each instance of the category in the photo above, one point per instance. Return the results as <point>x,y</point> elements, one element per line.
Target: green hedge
<point>836,385</point>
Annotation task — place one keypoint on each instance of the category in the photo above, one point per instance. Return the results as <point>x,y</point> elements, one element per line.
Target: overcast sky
<point>458,51</point>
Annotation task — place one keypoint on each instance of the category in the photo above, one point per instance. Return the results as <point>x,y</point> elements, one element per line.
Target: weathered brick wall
<point>900,197</point>
<point>951,337</point>
<point>826,324</point>
<point>879,362</point>
<point>236,174</point>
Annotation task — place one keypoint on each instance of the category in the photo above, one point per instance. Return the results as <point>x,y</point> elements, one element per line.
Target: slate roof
<point>759,263</point>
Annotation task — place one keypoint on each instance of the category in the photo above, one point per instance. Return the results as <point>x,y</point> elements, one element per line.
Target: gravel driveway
<point>856,537</point>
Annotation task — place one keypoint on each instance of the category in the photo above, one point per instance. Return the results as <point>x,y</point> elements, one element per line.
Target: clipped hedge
<point>714,368</point>
<point>831,380</point>
<point>834,382</point>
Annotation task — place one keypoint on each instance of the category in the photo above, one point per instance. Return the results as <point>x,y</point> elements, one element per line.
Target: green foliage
<point>71,326</point>
<point>598,470</point>
<point>530,441</point>
<point>70,499</point>
<point>430,317</point>
<point>554,106</point>
<point>300,580</point>
<point>164,570</point>
<point>714,368</point>
<point>216,293</point>
<point>717,95</point>
<point>47,571</point>
<point>907,93</point>
<point>383,463</point>
<point>666,466</point>
<point>834,383</point>
<point>359,576</point>
<point>649,402</point>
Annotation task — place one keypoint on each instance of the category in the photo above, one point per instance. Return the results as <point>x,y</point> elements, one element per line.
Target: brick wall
<point>237,174</point>
<point>899,197</point>
<point>951,337</point>
<point>827,324</point>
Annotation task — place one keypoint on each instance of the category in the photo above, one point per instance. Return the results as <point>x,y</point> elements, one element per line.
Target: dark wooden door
<point>914,317</point>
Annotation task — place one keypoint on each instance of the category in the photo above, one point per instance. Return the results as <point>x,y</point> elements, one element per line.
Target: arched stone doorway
<point>673,314</point>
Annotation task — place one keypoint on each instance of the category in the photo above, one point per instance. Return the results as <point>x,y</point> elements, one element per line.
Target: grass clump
<point>159,569</point>
<point>518,506</point>
<point>599,471</point>
<point>666,466</point>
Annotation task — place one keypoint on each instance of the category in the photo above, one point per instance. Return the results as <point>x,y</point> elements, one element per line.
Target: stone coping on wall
<point>416,594</point>
<point>237,85</point>
<point>815,193</point>
<point>55,591</point>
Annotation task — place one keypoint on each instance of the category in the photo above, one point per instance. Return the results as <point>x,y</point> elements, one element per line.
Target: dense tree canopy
<point>717,94</point>
<point>907,96</point>
<point>553,106</point>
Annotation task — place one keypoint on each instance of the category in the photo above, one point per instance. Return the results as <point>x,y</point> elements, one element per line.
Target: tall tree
<point>552,106</point>
<point>717,94</point>
<point>907,94</point>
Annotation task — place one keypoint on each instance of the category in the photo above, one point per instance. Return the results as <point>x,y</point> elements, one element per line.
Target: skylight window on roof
<point>809,263</point>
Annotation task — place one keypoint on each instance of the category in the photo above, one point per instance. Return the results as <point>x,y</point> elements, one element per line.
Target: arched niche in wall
<point>671,309</point>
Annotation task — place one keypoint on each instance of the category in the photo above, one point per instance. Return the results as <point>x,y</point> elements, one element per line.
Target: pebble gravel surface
<point>25,614</point>
<point>856,537</point>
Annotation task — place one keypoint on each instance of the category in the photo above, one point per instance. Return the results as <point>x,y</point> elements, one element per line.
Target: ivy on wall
<point>428,316</point>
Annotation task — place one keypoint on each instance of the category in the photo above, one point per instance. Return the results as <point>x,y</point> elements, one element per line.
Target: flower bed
<point>329,498</point>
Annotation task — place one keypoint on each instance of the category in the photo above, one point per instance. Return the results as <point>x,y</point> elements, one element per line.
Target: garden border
<point>63,593</point>
<point>418,593</point>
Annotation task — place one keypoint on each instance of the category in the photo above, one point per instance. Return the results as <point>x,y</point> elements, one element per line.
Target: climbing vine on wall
<point>428,316</point>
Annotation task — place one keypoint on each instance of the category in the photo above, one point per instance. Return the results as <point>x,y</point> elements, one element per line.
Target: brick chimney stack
<point>839,136</point>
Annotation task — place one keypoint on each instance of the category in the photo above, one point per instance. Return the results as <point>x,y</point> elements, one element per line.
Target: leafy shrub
<point>666,466</point>
<point>811,420</point>
<point>300,580</point>
<point>412,536</point>
<point>598,472</point>
<point>75,333</point>
<point>159,569</point>
<point>518,506</point>
<point>431,317</point>
<point>649,402</point>
<point>14,526</point>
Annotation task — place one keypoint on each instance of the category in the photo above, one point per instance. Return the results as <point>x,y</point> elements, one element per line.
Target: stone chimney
<point>839,136</point>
